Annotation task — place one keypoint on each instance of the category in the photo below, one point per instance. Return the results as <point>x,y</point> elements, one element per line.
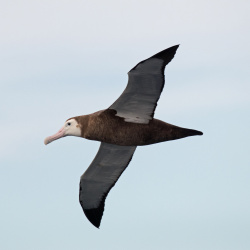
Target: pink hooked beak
<point>59,134</point>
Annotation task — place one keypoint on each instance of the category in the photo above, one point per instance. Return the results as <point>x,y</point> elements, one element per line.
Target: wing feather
<point>138,101</point>
<point>102,174</point>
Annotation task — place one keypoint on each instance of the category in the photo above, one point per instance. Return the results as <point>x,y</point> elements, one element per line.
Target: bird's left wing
<point>102,174</point>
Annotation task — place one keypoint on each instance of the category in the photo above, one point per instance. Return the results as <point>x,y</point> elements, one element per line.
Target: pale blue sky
<point>65,58</point>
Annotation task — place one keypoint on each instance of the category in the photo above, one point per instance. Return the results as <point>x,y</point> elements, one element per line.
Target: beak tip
<point>46,141</point>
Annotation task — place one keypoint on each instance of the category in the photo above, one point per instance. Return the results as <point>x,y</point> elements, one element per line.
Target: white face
<point>70,127</point>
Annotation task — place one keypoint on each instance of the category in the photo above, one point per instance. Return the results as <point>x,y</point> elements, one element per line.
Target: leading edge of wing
<point>102,174</point>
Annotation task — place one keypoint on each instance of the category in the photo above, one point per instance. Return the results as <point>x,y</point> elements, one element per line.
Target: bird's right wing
<point>138,101</point>
<point>102,174</point>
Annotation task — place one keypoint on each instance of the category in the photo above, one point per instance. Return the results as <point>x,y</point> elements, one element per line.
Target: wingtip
<point>94,216</point>
<point>175,47</point>
<point>167,54</point>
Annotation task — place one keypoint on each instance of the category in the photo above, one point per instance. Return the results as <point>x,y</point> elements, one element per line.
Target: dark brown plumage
<point>106,127</point>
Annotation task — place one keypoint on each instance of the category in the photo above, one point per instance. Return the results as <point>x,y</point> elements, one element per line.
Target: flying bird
<point>129,122</point>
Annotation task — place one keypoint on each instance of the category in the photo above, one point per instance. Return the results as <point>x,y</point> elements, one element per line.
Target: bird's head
<point>70,127</point>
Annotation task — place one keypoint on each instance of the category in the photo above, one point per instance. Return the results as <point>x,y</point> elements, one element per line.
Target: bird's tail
<point>178,132</point>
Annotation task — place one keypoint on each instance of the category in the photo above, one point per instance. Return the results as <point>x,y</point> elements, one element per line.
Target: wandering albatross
<point>129,122</point>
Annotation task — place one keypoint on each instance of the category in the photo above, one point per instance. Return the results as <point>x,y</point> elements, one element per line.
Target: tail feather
<point>179,133</point>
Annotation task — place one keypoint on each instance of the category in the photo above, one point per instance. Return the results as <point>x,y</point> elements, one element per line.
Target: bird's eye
<point>68,123</point>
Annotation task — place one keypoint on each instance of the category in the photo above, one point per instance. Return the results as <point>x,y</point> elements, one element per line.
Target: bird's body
<point>129,122</point>
<point>106,127</point>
